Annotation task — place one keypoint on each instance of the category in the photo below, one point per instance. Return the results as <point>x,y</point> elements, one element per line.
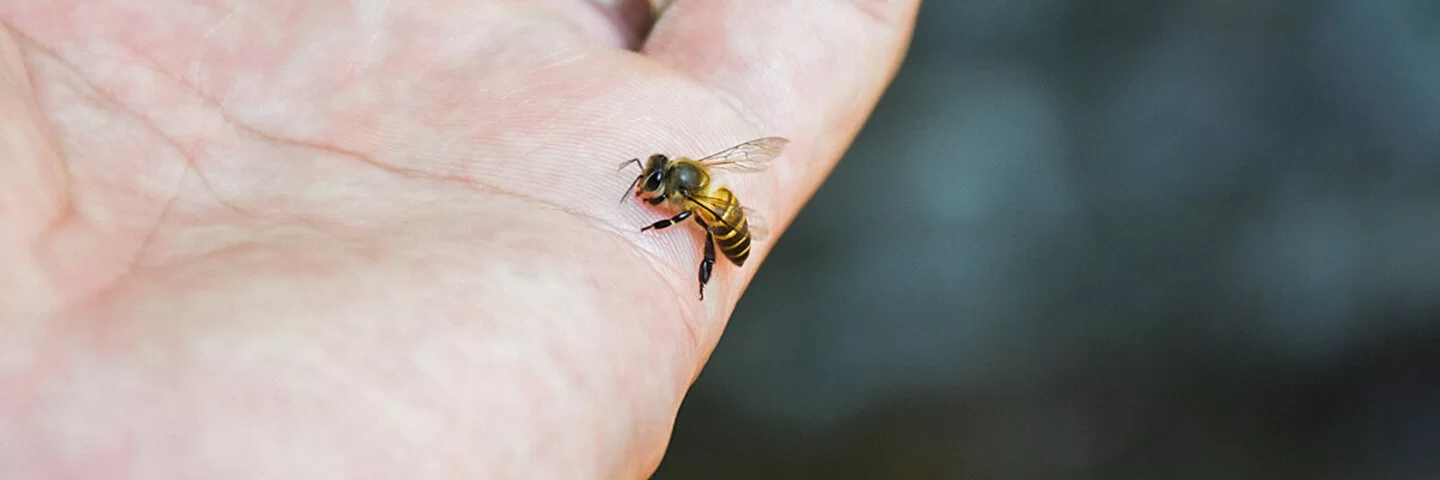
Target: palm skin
<point>380,239</point>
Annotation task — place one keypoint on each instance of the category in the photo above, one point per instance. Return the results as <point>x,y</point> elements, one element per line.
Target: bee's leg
<point>669,221</point>
<point>707,262</point>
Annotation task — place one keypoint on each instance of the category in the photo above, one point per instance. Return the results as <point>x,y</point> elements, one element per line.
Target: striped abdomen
<point>733,242</point>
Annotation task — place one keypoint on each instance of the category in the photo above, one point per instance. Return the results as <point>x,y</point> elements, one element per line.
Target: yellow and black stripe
<point>726,221</point>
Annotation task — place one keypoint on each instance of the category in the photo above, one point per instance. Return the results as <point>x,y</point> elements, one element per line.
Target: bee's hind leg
<point>707,263</point>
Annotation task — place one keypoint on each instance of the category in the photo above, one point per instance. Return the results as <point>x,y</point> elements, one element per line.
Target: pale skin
<point>379,239</point>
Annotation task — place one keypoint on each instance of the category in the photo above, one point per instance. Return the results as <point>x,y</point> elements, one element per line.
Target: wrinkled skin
<point>379,239</point>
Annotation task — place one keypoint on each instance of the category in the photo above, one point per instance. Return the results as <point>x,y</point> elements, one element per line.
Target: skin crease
<point>359,239</point>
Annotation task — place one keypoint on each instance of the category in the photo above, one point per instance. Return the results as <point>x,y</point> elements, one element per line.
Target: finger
<point>811,70</point>
<point>658,6</point>
<point>33,180</point>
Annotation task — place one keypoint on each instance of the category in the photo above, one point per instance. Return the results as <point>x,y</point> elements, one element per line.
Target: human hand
<point>379,239</point>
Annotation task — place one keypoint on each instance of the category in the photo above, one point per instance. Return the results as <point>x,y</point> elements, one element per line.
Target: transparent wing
<point>750,156</point>
<point>759,228</point>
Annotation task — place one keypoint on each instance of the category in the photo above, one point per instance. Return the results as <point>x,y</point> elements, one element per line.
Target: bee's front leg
<point>669,221</point>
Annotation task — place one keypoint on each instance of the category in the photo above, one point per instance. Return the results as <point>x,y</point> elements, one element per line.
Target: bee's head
<point>654,174</point>
<point>652,178</point>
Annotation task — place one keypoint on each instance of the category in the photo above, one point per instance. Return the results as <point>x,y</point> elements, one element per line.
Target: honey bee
<point>685,184</point>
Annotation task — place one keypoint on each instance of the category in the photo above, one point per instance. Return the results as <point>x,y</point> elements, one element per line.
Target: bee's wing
<point>751,156</point>
<point>759,227</point>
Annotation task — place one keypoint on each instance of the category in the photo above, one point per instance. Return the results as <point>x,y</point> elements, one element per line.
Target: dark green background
<point>1109,240</point>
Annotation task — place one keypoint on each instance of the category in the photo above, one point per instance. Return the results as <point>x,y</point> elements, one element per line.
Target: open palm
<point>379,238</point>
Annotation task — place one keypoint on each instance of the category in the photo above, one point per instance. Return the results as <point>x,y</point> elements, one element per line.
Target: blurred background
<point>1109,239</point>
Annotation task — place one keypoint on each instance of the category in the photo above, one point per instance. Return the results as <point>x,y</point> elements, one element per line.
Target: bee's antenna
<point>632,187</point>
<point>623,164</point>
<point>635,161</point>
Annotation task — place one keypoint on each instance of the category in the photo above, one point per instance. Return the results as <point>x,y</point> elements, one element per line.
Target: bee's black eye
<point>652,181</point>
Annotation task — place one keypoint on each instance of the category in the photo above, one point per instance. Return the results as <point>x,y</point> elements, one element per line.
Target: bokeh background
<point>1109,239</point>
